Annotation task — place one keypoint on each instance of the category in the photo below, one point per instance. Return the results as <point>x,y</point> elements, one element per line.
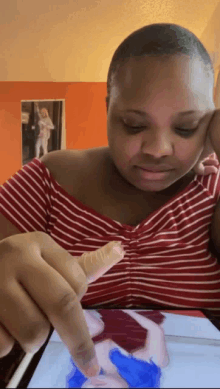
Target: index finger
<point>57,273</point>
<point>60,304</point>
<point>97,263</point>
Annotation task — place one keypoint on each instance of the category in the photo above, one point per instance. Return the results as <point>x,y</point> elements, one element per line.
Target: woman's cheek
<point>188,152</point>
<point>123,148</point>
<point>131,148</point>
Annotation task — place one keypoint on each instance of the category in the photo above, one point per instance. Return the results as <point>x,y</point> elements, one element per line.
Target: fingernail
<point>119,251</point>
<point>92,368</point>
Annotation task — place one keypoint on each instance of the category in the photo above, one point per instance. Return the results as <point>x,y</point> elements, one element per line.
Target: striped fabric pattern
<point>167,261</point>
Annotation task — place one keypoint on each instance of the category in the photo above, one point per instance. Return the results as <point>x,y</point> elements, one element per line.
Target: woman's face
<point>44,112</point>
<point>149,125</point>
<point>106,381</point>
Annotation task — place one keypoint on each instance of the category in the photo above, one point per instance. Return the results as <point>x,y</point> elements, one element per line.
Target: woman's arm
<point>155,344</point>
<point>38,110</point>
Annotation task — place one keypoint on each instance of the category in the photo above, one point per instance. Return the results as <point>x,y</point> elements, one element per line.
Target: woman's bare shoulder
<point>67,166</point>
<point>62,158</point>
<point>72,159</point>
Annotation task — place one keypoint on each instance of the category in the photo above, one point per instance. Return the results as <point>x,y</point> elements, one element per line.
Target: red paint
<point>124,330</point>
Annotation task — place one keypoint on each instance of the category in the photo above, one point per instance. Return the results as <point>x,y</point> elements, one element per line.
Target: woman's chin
<point>152,186</point>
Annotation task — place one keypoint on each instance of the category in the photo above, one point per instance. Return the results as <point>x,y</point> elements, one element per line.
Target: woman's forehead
<point>156,97</point>
<point>165,78</point>
<point>168,66</point>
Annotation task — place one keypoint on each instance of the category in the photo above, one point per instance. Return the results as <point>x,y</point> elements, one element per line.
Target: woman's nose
<point>157,145</point>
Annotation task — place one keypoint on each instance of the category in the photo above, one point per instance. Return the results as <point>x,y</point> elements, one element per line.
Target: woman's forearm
<point>142,320</point>
<point>155,344</point>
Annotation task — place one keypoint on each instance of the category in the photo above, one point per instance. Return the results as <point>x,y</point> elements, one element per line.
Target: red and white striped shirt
<point>167,262</point>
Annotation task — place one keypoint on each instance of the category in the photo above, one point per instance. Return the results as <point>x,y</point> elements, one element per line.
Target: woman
<point>45,125</point>
<point>146,189</point>
<point>157,75</point>
<point>141,368</point>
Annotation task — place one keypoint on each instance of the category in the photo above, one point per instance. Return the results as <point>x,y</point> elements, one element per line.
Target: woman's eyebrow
<point>189,112</point>
<point>184,113</point>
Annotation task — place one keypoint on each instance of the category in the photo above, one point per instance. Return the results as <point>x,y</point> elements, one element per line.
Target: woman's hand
<point>207,162</point>
<point>214,132</point>
<point>41,283</point>
<point>207,166</point>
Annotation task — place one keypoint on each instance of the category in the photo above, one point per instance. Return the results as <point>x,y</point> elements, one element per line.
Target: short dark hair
<point>159,39</point>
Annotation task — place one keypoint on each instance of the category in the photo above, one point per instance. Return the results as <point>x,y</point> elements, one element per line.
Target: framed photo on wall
<point>42,128</point>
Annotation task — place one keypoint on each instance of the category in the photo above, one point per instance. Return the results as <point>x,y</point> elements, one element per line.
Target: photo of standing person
<point>130,348</point>
<point>45,126</point>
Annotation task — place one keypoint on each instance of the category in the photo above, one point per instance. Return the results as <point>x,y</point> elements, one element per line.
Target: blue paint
<point>137,373</point>
<point>76,379</point>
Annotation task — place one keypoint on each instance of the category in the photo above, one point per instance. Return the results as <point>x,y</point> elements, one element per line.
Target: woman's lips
<point>152,175</point>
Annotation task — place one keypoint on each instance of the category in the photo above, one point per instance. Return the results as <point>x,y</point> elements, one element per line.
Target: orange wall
<point>73,41</point>
<point>85,117</point>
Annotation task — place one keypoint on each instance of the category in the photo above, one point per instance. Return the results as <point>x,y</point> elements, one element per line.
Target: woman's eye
<point>186,131</point>
<point>133,128</point>
<point>137,128</point>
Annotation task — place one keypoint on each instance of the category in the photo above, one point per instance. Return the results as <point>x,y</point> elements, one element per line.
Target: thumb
<point>98,262</point>
<point>199,169</point>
